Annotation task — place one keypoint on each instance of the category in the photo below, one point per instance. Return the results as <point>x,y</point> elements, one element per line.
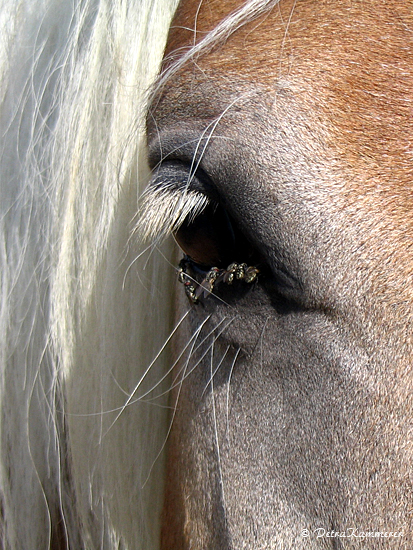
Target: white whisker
<point>166,205</point>
<point>214,415</point>
<point>216,370</point>
<point>169,430</point>
<point>193,339</point>
<point>148,369</point>
<point>192,351</point>
<point>209,347</point>
<point>229,384</point>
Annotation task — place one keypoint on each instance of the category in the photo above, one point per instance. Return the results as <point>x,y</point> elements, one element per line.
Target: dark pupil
<point>209,239</point>
<point>212,239</point>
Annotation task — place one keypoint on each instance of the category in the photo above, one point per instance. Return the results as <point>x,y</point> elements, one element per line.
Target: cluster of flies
<point>196,292</point>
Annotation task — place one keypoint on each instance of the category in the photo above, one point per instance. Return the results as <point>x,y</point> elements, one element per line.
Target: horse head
<point>280,141</point>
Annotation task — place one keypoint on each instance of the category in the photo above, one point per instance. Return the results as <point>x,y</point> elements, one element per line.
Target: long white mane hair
<point>80,312</point>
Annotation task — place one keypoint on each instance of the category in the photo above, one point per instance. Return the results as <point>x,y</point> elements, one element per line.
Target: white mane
<point>74,340</point>
<point>82,312</point>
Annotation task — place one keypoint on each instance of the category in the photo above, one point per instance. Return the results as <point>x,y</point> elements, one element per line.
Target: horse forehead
<point>309,23</point>
<point>350,61</point>
<point>342,70</point>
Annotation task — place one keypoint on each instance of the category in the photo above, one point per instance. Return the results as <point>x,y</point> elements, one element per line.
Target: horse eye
<point>201,225</point>
<point>213,239</point>
<point>209,239</point>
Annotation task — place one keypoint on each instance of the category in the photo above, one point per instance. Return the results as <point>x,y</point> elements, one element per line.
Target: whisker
<point>213,125</point>
<point>216,370</point>
<point>133,262</point>
<point>177,360</point>
<point>179,384</point>
<point>192,351</point>
<point>209,347</point>
<point>130,401</point>
<point>177,149</point>
<point>166,205</point>
<point>228,386</point>
<point>168,431</point>
<point>147,370</point>
<point>214,415</point>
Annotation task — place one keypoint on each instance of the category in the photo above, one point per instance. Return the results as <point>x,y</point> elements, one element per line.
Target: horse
<point>255,389</point>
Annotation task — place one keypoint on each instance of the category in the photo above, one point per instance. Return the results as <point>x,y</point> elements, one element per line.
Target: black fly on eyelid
<point>197,292</point>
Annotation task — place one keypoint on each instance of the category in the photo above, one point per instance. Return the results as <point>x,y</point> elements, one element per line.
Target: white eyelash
<point>164,209</point>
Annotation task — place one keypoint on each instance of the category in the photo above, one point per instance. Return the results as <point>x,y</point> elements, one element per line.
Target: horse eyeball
<point>209,238</point>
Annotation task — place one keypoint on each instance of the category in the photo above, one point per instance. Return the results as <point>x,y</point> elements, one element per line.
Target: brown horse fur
<point>298,414</point>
